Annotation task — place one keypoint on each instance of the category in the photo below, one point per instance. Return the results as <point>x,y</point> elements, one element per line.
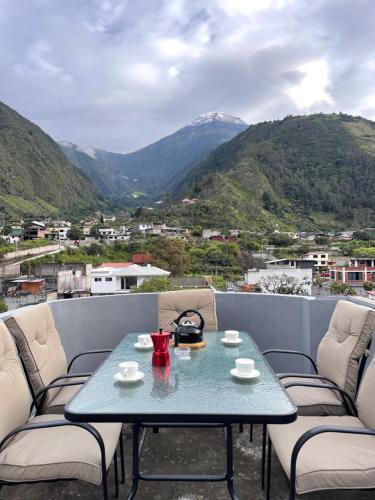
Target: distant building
<point>371,295</point>
<point>223,238</point>
<point>358,271</point>
<point>141,258</point>
<point>112,278</point>
<point>208,233</point>
<point>290,264</point>
<point>141,227</point>
<point>57,233</point>
<point>321,259</point>
<point>188,201</point>
<point>35,230</point>
<point>29,285</point>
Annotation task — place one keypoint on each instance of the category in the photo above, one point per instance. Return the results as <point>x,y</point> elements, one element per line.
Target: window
<point>108,279</point>
<point>97,279</point>
<point>315,256</point>
<point>355,276</point>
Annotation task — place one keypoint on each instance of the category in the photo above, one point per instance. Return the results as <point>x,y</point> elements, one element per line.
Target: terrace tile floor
<point>185,451</point>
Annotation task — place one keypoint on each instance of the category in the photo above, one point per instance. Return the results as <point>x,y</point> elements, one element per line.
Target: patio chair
<point>341,359</point>
<point>43,356</point>
<point>172,304</point>
<point>47,447</point>
<point>331,452</point>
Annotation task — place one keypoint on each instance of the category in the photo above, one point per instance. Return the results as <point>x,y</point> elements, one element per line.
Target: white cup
<point>144,340</point>
<point>128,369</point>
<point>232,335</point>
<point>244,366</point>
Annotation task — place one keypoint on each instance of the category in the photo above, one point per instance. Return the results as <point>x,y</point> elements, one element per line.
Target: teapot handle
<point>184,313</point>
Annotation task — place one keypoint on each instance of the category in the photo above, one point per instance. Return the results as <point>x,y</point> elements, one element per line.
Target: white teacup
<point>128,369</point>
<point>232,335</point>
<point>144,340</point>
<point>244,366</point>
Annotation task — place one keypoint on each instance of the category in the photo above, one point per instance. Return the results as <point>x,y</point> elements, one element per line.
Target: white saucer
<point>138,376</point>
<point>254,374</point>
<point>142,347</point>
<point>231,342</point>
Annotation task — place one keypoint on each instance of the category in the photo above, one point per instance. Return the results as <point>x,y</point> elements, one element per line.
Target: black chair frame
<point>316,431</point>
<point>362,365</point>
<point>311,433</point>
<point>63,423</point>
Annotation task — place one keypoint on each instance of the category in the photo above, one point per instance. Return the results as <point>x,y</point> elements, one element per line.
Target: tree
<point>156,284</point>
<point>3,306</point>
<point>171,255</point>
<point>368,286</point>
<point>338,288</point>
<point>283,284</point>
<point>279,240</point>
<point>318,282</point>
<point>197,231</point>
<point>75,233</point>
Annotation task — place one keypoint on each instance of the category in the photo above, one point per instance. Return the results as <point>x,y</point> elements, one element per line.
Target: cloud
<point>117,74</point>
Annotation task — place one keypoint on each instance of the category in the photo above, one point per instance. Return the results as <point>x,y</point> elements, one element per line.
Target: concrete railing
<point>279,321</point>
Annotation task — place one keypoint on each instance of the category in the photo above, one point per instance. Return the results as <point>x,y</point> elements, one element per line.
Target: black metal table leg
<point>135,482</point>
<point>230,469</point>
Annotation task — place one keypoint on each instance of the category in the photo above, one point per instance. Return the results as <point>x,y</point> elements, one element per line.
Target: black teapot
<point>188,332</point>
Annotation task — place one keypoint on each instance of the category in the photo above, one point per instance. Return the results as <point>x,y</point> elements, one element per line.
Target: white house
<point>321,259</point>
<point>122,278</point>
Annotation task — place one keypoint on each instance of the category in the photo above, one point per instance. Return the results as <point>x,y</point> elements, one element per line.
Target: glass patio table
<point>199,391</point>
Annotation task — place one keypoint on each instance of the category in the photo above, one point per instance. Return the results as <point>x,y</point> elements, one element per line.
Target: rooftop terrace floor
<point>184,451</point>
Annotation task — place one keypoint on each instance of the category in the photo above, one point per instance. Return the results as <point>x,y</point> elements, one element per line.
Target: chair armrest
<point>305,375</point>
<point>297,353</point>
<point>71,375</point>
<point>43,392</point>
<point>344,395</point>
<point>86,353</point>
<point>60,423</point>
<point>315,431</point>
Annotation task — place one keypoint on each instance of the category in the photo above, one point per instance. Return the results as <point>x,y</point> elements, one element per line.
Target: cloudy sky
<point>119,74</point>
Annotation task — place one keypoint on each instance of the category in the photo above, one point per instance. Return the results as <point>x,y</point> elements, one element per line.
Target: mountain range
<point>312,172</point>
<point>35,176</point>
<point>145,175</point>
<point>308,172</point>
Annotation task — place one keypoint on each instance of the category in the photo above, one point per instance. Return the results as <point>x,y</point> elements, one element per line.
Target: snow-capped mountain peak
<point>217,116</point>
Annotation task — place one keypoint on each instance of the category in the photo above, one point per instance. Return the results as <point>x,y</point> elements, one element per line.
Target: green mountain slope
<point>145,175</point>
<point>35,177</point>
<point>308,172</point>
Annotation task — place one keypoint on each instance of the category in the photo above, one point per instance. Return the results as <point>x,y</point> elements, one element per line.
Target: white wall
<point>252,277</point>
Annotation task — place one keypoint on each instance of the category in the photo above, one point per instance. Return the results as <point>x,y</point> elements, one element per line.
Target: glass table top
<point>199,389</point>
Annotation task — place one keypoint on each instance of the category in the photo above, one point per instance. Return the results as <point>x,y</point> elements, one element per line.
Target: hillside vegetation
<point>35,177</point>
<point>310,172</point>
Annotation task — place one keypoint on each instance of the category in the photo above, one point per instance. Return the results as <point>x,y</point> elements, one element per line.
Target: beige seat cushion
<point>57,453</point>
<point>15,398</point>
<point>39,344</point>
<point>344,344</point>
<point>172,304</point>
<point>63,396</point>
<point>329,461</point>
<point>314,401</point>
<point>366,399</point>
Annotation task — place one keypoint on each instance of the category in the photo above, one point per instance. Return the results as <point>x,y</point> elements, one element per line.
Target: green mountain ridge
<point>146,174</point>
<point>306,172</point>
<point>35,177</point>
